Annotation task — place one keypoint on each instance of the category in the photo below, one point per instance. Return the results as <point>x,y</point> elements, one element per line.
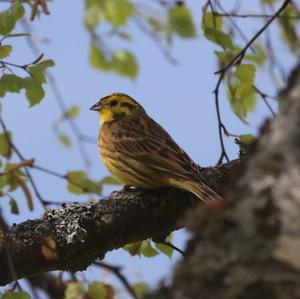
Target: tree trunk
<point>249,248</point>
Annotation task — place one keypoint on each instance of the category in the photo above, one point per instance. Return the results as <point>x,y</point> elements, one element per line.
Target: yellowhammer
<point>139,152</point>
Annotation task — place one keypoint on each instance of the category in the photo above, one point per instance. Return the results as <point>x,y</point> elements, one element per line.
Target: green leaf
<point>156,24</point>
<point>124,63</point>
<point>167,250</point>
<point>98,59</point>
<point>74,290</point>
<point>209,20</point>
<point>5,51</point>
<point>9,17</point>
<point>181,22</point>
<point>147,250</point>
<point>3,181</point>
<point>224,57</point>
<point>245,73</point>
<point>247,94</point>
<point>97,290</point>
<point>33,87</point>
<point>141,289</point>
<point>7,22</point>
<point>73,111</point>
<point>5,148</point>
<point>244,142</point>
<point>14,209</point>
<point>65,140</point>
<point>141,248</point>
<point>242,99</point>
<point>247,138</point>
<point>219,37</point>
<point>117,12</point>
<point>17,10</point>
<point>134,248</point>
<point>74,184</point>
<point>270,2</point>
<point>212,28</point>
<point>15,295</point>
<point>93,16</point>
<point>38,70</point>
<point>79,183</point>
<point>34,91</point>
<point>109,180</point>
<point>259,57</point>
<point>288,27</point>
<point>10,83</point>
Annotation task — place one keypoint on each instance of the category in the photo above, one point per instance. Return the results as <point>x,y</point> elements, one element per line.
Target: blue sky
<point>178,97</point>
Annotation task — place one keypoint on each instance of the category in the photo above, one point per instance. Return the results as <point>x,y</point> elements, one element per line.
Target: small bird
<point>140,153</point>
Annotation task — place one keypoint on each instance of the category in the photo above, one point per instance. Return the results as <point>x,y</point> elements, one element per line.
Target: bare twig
<point>157,40</point>
<point>60,100</point>
<point>273,60</point>
<point>171,245</point>
<point>238,58</point>
<point>235,15</point>
<point>265,97</point>
<point>21,157</point>
<point>5,64</point>
<point>59,175</point>
<point>234,25</point>
<point>220,123</point>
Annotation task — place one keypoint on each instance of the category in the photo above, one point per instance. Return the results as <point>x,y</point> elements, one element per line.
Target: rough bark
<point>250,247</point>
<point>73,236</point>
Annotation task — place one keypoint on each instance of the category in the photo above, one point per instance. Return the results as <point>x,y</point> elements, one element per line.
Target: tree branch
<point>80,233</point>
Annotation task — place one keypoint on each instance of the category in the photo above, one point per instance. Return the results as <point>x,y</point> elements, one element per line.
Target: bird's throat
<point>105,116</point>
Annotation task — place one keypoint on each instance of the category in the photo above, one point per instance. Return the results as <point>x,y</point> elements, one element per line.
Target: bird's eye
<point>113,103</point>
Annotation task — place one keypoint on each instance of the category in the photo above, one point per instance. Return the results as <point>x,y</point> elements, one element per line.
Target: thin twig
<point>59,99</point>
<point>234,25</point>
<point>157,40</point>
<point>21,157</point>
<point>117,271</point>
<point>235,15</point>
<point>88,139</point>
<point>220,123</point>
<point>61,176</point>
<point>273,61</point>
<point>265,99</point>
<point>171,245</point>
<point>48,171</point>
<point>24,67</point>
<point>5,64</point>
<point>238,58</point>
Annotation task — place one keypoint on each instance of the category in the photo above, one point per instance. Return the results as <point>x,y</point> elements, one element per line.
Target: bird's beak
<point>96,107</point>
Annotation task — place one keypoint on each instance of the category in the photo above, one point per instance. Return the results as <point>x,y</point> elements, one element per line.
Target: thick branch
<point>84,232</point>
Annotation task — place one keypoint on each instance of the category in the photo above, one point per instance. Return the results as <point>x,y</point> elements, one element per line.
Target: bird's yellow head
<point>116,106</point>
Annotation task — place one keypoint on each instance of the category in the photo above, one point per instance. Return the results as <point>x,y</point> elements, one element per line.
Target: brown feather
<point>153,158</point>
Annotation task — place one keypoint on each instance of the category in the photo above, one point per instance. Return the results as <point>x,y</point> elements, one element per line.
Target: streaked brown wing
<point>145,140</point>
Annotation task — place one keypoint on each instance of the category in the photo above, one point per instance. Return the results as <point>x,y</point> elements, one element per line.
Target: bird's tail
<point>201,190</point>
